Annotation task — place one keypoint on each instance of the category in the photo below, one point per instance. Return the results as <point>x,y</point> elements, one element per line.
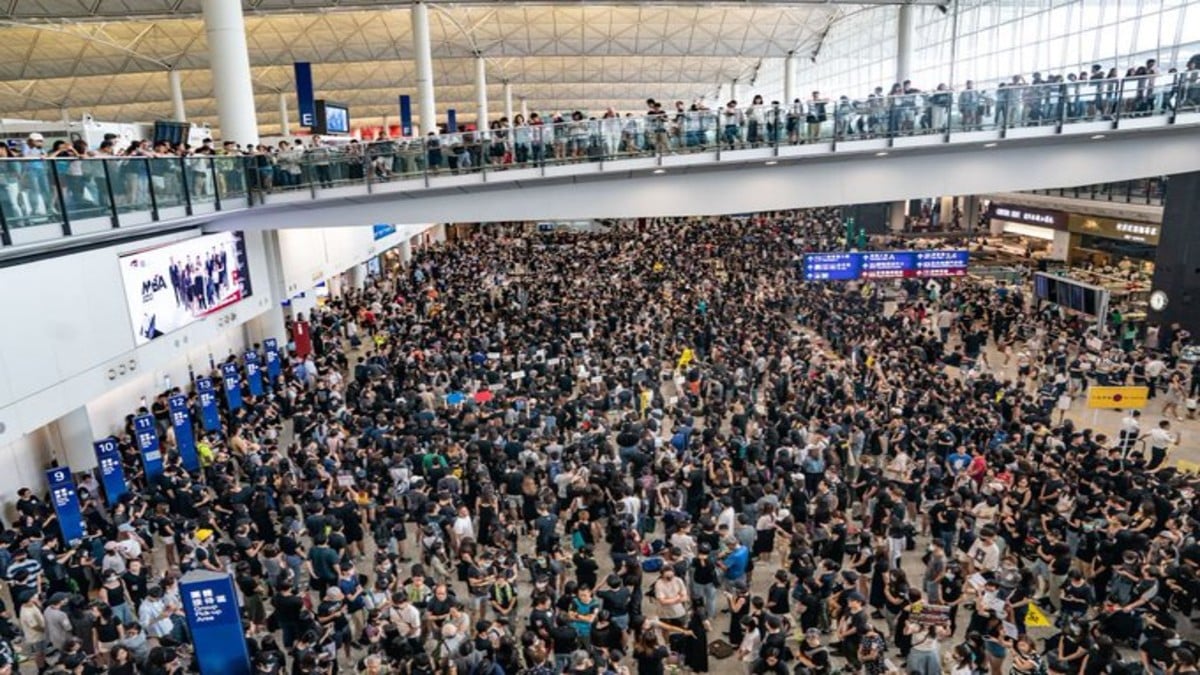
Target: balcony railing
<point>61,196</point>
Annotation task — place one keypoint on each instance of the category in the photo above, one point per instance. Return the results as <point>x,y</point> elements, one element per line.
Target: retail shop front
<point>1026,233</point>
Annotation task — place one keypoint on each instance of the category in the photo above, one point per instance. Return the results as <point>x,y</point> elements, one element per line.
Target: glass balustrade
<point>57,192</point>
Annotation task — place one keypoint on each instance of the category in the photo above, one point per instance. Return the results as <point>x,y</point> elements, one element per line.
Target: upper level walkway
<point>703,163</point>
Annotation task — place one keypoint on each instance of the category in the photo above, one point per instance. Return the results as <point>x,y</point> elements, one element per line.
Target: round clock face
<point>1158,301</point>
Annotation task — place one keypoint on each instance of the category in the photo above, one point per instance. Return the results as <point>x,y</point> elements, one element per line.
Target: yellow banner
<point>1117,397</point>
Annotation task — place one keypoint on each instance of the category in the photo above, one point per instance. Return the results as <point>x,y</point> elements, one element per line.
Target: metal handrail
<point>942,114</point>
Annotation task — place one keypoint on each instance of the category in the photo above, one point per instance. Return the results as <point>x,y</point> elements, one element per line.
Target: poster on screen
<point>169,287</point>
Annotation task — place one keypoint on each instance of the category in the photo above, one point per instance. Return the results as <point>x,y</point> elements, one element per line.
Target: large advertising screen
<point>169,287</point>
<point>853,265</point>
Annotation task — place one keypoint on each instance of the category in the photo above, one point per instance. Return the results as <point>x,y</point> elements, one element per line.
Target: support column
<point>970,209</point>
<point>423,55</point>
<point>733,91</point>
<point>481,97</point>
<point>178,109</point>
<point>230,63</point>
<point>270,323</point>
<point>789,78</point>
<point>896,214</point>
<point>904,43</point>
<point>358,276</point>
<point>74,436</point>
<point>945,211</point>
<point>285,125</point>
<point>1176,272</point>
<point>508,102</point>
<point>524,109</point>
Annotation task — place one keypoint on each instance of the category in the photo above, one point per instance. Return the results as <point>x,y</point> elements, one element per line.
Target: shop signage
<point>1028,215</point>
<point>1111,228</point>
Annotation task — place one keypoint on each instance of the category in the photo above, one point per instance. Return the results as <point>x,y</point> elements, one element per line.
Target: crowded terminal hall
<point>647,446</point>
<point>614,337</point>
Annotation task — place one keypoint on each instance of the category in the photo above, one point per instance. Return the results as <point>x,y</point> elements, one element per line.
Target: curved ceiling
<point>110,58</point>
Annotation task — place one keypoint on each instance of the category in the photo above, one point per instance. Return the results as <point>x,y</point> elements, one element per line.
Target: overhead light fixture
<point>659,171</point>
<point>881,154</point>
<point>1097,137</point>
<point>771,163</point>
<point>989,145</point>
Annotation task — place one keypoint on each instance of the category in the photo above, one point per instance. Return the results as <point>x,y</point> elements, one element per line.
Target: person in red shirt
<point>978,467</point>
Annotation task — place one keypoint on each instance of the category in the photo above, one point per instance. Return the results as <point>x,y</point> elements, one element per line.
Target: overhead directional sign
<point>885,265</point>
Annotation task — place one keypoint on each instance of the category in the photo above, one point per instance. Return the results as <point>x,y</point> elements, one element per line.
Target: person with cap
<point>57,621</point>
<point>35,177</point>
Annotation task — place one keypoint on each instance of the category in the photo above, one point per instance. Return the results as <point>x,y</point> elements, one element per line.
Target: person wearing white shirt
<point>727,517</point>
<point>1131,430</point>
<point>463,527</point>
<point>1160,439</point>
<point>984,554</point>
<point>155,614</point>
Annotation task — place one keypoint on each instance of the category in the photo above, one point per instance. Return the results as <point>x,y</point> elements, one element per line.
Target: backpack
<point>654,564</point>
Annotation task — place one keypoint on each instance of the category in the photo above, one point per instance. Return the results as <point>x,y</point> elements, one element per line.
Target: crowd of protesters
<point>646,448</point>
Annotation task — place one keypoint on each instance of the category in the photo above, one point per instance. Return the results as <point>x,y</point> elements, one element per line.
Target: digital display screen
<point>1068,293</point>
<point>337,119</point>
<point>171,286</point>
<point>884,265</point>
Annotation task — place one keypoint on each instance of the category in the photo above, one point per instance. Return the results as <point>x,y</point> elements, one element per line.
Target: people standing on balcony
<point>731,124</point>
<point>816,116</point>
<point>319,155</point>
<point>755,121</point>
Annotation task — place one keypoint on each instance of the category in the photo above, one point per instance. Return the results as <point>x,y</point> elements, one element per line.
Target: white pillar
<point>733,91</point>
<point>481,97</point>
<point>178,109</point>
<point>904,43</point>
<point>274,289</point>
<point>789,78</point>
<point>508,102</point>
<point>285,125</point>
<point>65,116</point>
<point>230,63</point>
<point>74,435</point>
<point>524,109</point>
<point>423,53</point>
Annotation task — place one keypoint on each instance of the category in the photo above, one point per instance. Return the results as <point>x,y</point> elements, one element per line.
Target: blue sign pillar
<point>66,503</point>
<point>210,604</point>
<point>254,373</point>
<point>233,385</point>
<point>112,474</point>
<point>451,121</point>
<point>185,437</point>
<point>210,417</point>
<point>147,440</point>
<point>274,368</point>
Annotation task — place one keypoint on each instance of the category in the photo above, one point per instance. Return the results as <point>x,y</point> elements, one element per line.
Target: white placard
<point>517,375</point>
